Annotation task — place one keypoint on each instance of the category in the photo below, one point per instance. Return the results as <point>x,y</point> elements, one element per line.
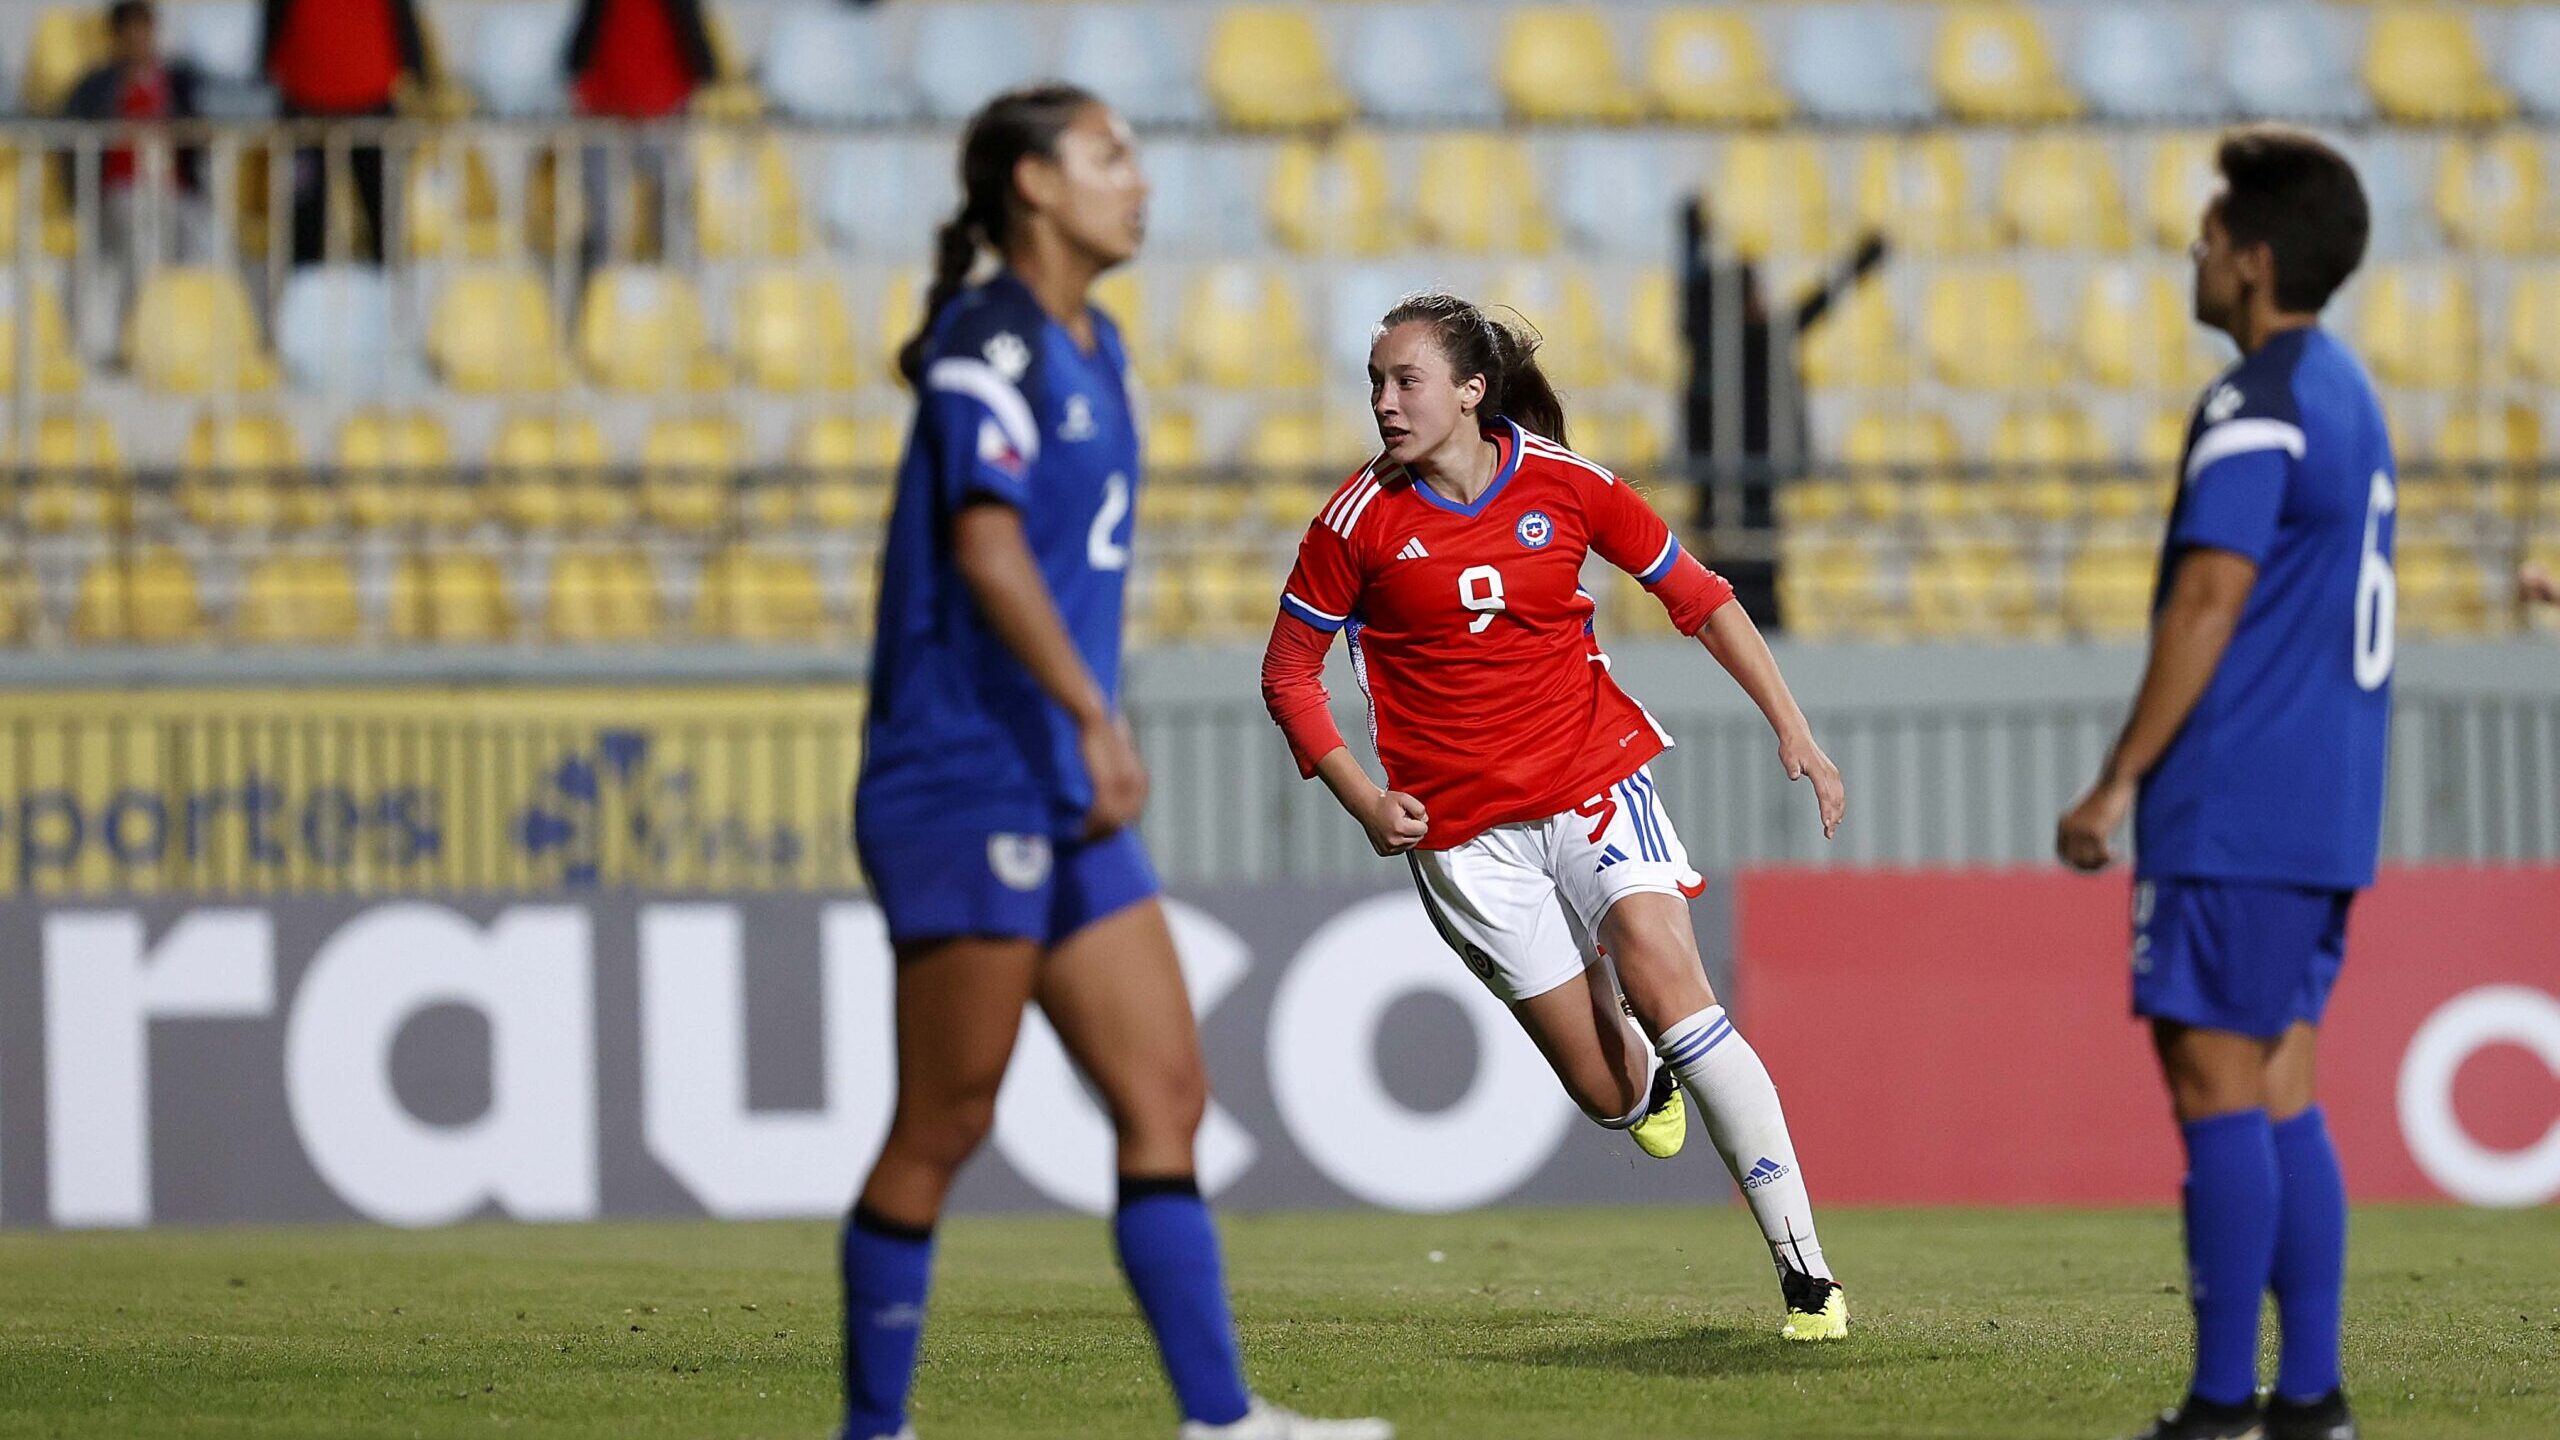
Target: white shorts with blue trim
<point>1522,904</point>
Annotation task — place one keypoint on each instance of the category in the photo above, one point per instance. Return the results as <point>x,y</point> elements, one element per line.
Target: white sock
<point>1740,1107</point>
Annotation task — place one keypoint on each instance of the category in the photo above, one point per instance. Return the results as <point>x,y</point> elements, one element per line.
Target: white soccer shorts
<point>1522,904</point>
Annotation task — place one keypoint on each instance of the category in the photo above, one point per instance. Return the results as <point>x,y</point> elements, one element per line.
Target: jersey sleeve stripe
<point>2240,437</point>
<point>1353,523</point>
<point>980,381</point>
<point>1540,445</point>
<point>1335,507</point>
<point>1338,517</point>
<point>1662,563</point>
<point>1312,615</point>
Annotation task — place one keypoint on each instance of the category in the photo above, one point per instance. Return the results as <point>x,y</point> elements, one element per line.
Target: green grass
<point>1653,1323</point>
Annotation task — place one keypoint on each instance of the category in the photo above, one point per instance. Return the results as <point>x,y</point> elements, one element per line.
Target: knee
<point>1168,1106</point>
<point>942,1132</point>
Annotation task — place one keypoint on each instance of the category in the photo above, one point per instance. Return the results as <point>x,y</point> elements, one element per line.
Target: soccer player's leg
<point>2310,1399</point>
<point>1112,988</point>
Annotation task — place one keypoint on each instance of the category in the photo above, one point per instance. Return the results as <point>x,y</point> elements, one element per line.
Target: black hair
<point>2296,195</point>
<point>125,12</point>
<point>1014,124</point>
<point>1505,355</point>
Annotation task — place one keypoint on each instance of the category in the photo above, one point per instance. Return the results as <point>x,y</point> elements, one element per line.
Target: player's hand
<point>2535,583</point>
<point>1119,777</point>
<point>1396,822</point>
<point>2085,837</point>
<point>1803,759</point>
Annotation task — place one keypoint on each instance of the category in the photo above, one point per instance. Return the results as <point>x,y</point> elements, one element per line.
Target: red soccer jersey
<point>1471,633</point>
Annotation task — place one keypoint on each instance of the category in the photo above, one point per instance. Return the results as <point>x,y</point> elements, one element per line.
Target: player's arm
<point>2205,601</point>
<point>1737,645</point>
<point>1322,592</point>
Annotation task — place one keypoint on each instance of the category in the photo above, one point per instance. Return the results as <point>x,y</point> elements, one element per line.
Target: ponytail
<point>1008,128</point>
<point>1476,343</point>
<point>1529,398</point>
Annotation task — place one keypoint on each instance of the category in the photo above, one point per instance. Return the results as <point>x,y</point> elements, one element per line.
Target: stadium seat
<point>1267,69</point>
<point>2533,326</point>
<point>2136,331</point>
<point>1608,196</point>
<point>1330,197</point>
<point>450,597</point>
<point>58,234</point>
<point>396,469</point>
<point>845,463</point>
<point>2046,457</point>
<point>1628,441</point>
<point>2106,590</point>
<point>1979,331</point>
<point>1303,443</point>
<point>1560,63</point>
<point>794,332</point>
<point>2163,436</point>
<point>1478,193</point>
<point>688,465</point>
<point>1991,63</point>
<point>761,596</point>
<point>2181,180</point>
<point>333,333</point>
<point>1146,59</point>
<point>2490,194</point>
<point>147,596</point>
<point>900,312</point>
<point>450,210</point>
<point>190,333</point>
<point>298,598</point>
<point>1709,67</point>
<point>1890,454</point>
<point>1657,354</point>
<point>57,369</point>
<point>2147,62</point>
<point>2492,439</point>
<point>836,63</point>
<point>1125,296</point>
<point>241,473</point>
<point>515,59</point>
<point>491,333</point>
<point>1769,197</point>
<point>2440,589</point>
<point>883,196</point>
<point>601,597</point>
<point>76,478</point>
<point>538,463</point>
<point>64,43</point>
<point>19,605</point>
<point>2531,53</point>
<point>1857,64</point>
<point>1859,343</point>
<point>2418,326</point>
<point>1356,298</point>
<point>641,331</point>
<point>1422,63</point>
<point>746,202</point>
<point>1975,589</point>
<point>967,54</point>
<point>1580,349</point>
<point>1913,189</point>
<point>1830,588</point>
<point>2424,65</point>
<point>2061,192</point>
<point>2291,61</point>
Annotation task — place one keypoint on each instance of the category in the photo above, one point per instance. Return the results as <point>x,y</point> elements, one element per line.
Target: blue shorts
<point>2236,955</point>
<point>935,884</point>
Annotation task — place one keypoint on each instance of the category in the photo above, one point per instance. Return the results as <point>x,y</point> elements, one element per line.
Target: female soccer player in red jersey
<point>1517,779</point>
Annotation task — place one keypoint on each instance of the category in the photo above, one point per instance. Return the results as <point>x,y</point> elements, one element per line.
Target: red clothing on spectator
<point>145,96</point>
<point>337,57</point>
<point>639,70</point>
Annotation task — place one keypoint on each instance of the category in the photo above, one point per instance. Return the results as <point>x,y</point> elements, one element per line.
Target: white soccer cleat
<point>1266,1421</point>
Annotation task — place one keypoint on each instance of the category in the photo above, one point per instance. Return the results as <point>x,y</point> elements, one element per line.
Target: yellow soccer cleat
<point>1665,1126</point>
<point>1817,1308</point>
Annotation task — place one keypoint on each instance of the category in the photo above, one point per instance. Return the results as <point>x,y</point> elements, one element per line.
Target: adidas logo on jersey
<point>1767,1172</point>
<point>1413,550</point>
<point>1609,857</point>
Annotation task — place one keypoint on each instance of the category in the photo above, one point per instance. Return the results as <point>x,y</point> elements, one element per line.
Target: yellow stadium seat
<point>452,205</point>
<point>1769,197</point>
<point>1267,69</point>
<point>148,597</point>
<point>2106,590</point>
<point>298,599</point>
<point>1629,442</point>
<point>2182,178</point>
<point>1295,442</point>
<point>2137,331</point>
<point>1913,189</point>
<point>1578,348</point>
<point>2423,63</point>
<point>846,461</point>
<point>492,333</point>
<point>450,597</point>
<point>2498,449</point>
<point>397,469</point>
<point>1331,197</point>
<point>1890,453</point>
<point>18,604</point>
<point>540,464</point>
<point>1242,330</point>
<point>1656,353</point>
<point>1979,331</point>
<point>2533,326</point>
<point>76,478</point>
<point>1971,590</point>
<point>1709,67</point>
<point>1859,343</point>
<point>901,312</point>
<point>2046,455</point>
<point>58,233</point>
<point>2060,192</point>
<point>1474,195</point>
<point>794,332</point>
<point>601,597</point>
<point>2419,327</point>
<point>64,44</point>
<point>1172,439</point>
<point>761,596</point>
<point>190,333</point>
<point>1124,297</point>
<point>240,473</point>
<point>2441,589</point>
<point>688,466</point>
<point>641,330</point>
<point>1831,588</point>
<point>1992,63</point>
<point>2163,436</point>
<point>2490,194</point>
<point>746,202</point>
<point>1558,62</point>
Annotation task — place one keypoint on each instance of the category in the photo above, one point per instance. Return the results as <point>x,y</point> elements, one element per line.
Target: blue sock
<point>1169,1251</point>
<point>2231,1245</point>
<point>887,1268</point>
<point>2311,1257</point>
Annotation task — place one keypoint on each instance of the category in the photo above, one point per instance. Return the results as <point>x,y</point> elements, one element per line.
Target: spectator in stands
<point>150,202</point>
<point>340,60</point>
<point>633,60</point>
<point>1743,365</point>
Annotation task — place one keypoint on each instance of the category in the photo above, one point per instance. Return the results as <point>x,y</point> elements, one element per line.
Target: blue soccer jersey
<point>1010,409</point>
<point>2278,773</point>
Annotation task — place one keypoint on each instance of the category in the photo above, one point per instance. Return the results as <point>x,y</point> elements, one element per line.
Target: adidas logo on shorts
<point>1609,857</point>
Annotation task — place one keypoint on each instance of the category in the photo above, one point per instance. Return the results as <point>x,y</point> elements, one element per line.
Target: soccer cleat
<point>2327,1418</point>
<point>1817,1308</point>
<point>2200,1419</point>
<point>906,1433</point>
<point>1665,1126</point>
<point>1266,1421</point>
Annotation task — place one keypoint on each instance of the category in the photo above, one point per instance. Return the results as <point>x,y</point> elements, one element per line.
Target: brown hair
<point>2296,195</point>
<point>1505,355</point>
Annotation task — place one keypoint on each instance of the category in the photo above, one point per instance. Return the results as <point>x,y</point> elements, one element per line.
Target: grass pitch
<point>1502,1326</point>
